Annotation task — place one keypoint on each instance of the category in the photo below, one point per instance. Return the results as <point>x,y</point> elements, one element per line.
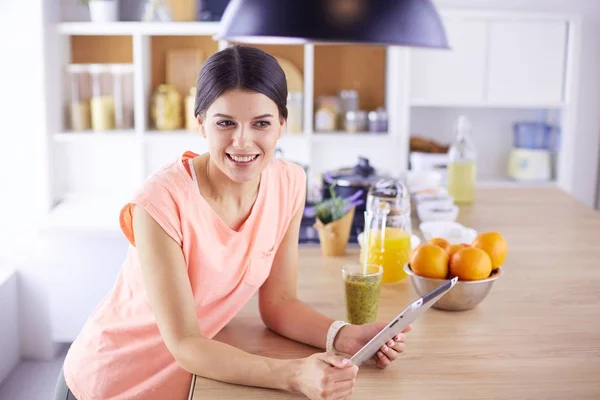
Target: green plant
<point>332,209</point>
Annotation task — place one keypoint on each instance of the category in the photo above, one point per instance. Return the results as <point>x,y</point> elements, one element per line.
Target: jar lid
<point>78,68</point>
<point>121,68</point>
<point>99,68</point>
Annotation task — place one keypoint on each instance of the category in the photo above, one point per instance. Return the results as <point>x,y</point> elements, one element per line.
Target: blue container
<point>535,136</point>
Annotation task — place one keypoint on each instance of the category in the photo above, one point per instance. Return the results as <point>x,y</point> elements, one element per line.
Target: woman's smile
<point>242,160</point>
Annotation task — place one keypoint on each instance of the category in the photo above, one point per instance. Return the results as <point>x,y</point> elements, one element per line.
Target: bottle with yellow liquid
<point>462,164</point>
<point>387,236</point>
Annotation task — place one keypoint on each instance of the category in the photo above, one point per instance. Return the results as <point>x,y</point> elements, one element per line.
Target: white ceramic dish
<point>414,240</point>
<point>438,194</point>
<point>435,211</point>
<point>451,231</point>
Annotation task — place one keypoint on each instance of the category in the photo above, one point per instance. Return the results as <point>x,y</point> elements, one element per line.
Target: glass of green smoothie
<point>363,288</point>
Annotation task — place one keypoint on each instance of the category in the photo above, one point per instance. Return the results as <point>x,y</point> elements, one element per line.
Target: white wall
<point>587,141</point>
<point>9,323</point>
<point>24,28</point>
<point>492,133</point>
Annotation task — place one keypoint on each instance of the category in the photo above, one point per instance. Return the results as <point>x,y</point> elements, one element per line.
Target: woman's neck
<point>224,190</point>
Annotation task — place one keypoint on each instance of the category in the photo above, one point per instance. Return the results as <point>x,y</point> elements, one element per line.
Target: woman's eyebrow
<point>222,116</point>
<point>263,116</point>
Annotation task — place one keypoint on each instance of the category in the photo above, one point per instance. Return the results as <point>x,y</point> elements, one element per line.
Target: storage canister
<point>80,89</point>
<point>122,77</point>
<point>103,102</point>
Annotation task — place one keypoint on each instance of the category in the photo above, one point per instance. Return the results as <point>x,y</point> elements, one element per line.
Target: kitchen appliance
<point>530,159</point>
<point>348,182</point>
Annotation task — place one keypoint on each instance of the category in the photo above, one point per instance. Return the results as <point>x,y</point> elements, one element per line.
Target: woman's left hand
<point>352,338</point>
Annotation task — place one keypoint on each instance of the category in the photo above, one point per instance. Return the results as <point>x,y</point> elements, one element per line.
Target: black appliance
<point>211,10</point>
<point>348,181</point>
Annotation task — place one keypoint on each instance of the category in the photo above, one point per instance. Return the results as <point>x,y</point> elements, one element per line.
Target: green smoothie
<point>362,295</point>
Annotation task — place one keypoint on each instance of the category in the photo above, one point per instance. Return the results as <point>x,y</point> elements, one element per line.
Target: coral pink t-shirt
<point>120,354</point>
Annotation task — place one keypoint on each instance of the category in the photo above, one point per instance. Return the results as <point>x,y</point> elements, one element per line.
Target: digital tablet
<point>402,320</point>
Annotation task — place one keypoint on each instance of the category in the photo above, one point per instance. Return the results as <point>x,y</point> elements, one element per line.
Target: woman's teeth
<point>242,158</point>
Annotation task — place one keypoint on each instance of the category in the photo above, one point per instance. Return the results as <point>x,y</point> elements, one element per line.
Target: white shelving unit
<point>94,173</point>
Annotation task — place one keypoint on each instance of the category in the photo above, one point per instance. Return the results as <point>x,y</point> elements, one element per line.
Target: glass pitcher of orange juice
<point>387,235</point>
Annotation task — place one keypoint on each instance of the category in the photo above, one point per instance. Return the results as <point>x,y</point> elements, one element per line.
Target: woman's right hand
<point>325,376</point>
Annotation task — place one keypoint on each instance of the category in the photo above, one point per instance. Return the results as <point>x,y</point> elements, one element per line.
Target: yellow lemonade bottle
<point>387,236</point>
<point>389,248</point>
<point>462,164</point>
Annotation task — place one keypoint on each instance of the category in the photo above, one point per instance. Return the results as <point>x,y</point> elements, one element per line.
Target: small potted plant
<point>102,10</point>
<point>334,218</point>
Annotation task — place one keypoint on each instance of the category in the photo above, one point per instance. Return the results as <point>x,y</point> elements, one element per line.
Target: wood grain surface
<point>536,335</point>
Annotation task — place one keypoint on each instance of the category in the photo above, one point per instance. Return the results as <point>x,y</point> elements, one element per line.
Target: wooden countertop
<point>536,335</point>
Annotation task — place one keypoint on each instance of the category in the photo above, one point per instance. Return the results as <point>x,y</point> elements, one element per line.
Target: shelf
<point>139,28</point>
<point>86,213</point>
<point>348,136</point>
<point>512,105</point>
<point>73,136</point>
<point>101,49</point>
<point>357,67</point>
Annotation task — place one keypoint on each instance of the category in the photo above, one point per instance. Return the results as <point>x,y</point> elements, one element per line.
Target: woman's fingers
<point>382,360</point>
<point>344,389</point>
<point>401,337</point>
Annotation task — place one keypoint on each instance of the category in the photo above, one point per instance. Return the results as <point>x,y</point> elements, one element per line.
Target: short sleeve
<point>160,204</point>
<point>298,178</point>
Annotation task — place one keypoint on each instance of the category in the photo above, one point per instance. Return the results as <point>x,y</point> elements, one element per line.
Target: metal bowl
<point>465,295</point>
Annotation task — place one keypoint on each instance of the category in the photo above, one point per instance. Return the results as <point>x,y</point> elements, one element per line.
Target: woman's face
<point>242,129</point>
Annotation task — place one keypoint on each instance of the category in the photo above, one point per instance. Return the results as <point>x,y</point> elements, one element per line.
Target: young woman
<point>206,233</point>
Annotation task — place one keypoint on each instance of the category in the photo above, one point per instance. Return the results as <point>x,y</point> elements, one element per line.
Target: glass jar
<point>295,108</point>
<point>191,122</point>
<point>387,236</point>
<point>356,121</point>
<point>80,87</point>
<point>166,108</point>
<point>103,102</point>
<point>122,75</point>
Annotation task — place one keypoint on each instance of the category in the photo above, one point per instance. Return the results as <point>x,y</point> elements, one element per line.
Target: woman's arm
<point>285,314</point>
<point>170,297</point>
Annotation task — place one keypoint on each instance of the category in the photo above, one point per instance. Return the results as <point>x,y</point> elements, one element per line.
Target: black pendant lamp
<point>412,23</point>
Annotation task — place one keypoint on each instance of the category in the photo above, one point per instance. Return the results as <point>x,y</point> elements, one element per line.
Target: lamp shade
<point>413,23</point>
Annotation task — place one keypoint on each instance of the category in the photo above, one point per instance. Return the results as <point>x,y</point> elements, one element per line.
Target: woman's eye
<point>263,124</point>
<point>225,124</point>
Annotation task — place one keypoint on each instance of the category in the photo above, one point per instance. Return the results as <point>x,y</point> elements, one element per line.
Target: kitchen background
<point>88,117</point>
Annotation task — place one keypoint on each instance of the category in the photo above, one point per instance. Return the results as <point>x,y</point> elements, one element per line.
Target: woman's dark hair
<point>241,67</point>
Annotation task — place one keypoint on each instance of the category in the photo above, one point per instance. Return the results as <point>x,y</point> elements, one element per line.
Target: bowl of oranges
<point>477,265</point>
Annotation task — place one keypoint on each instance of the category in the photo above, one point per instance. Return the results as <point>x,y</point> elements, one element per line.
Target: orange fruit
<point>494,245</point>
<point>430,261</point>
<point>443,243</point>
<point>454,248</point>
<point>470,264</point>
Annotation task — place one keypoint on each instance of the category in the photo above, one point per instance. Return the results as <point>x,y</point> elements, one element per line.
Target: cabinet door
<point>527,62</point>
<point>455,76</point>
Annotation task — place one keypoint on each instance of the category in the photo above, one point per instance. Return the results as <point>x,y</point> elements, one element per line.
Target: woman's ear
<point>282,126</point>
<point>201,126</point>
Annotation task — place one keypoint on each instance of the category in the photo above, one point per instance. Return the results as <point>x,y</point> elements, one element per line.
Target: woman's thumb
<point>336,361</point>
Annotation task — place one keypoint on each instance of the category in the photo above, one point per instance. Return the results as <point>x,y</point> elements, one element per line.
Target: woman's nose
<point>242,138</point>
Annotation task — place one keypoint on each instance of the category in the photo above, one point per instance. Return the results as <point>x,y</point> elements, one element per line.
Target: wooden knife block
<point>182,68</point>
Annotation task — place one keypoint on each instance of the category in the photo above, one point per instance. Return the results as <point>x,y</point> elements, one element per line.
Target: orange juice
<point>390,249</point>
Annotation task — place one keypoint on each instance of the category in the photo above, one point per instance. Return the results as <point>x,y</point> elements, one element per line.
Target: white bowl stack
<point>431,200</point>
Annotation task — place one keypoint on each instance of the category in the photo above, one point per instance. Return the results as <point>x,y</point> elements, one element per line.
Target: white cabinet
<point>510,61</point>
<point>451,76</point>
<point>526,62</point>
